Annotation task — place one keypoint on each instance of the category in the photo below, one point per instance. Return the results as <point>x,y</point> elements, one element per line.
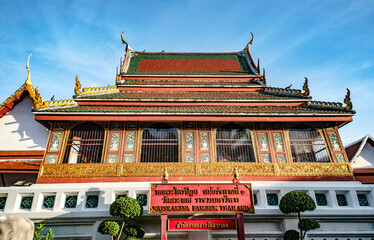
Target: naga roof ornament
<point>38,102</point>
<point>78,86</point>
<point>306,88</point>
<point>347,100</point>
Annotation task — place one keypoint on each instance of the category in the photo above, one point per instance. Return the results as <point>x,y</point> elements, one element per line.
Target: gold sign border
<point>153,185</point>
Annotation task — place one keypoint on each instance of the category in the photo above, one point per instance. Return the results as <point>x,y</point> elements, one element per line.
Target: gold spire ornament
<point>306,88</point>
<point>236,174</point>
<point>347,100</point>
<point>165,175</point>
<point>250,42</point>
<point>28,80</point>
<point>77,86</point>
<point>124,42</point>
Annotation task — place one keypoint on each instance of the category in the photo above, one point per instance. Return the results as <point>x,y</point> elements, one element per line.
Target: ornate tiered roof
<point>167,84</point>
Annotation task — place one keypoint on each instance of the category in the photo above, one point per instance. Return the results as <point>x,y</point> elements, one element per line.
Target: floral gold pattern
<point>189,157</point>
<point>204,157</point>
<point>51,159</point>
<point>115,140</point>
<point>204,141</point>
<point>334,141</point>
<point>192,169</point>
<point>278,142</point>
<point>190,141</point>
<point>263,141</point>
<point>265,158</point>
<point>55,142</point>
<point>130,141</point>
<point>281,158</point>
<point>129,158</point>
<point>340,157</point>
<point>113,158</point>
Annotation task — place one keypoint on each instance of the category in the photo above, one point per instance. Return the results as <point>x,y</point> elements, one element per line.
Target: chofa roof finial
<point>250,42</point>
<point>306,87</point>
<point>124,42</point>
<point>263,75</point>
<point>347,100</point>
<point>28,80</point>
<point>77,86</point>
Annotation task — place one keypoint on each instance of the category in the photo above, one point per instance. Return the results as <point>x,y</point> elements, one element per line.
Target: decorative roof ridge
<point>27,86</point>
<point>335,105</point>
<point>58,103</point>
<point>192,53</point>
<point>92,90</point>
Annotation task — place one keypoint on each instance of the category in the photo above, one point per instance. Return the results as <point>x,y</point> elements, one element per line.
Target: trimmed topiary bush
<point>297,202</point>
<point>307,224</point>
<point>291,235</point>
<point>134,231</point>
<point>125,207</point>
<point>108,228</point>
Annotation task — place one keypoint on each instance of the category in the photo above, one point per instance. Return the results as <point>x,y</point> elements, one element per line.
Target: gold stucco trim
<point>192,169</point>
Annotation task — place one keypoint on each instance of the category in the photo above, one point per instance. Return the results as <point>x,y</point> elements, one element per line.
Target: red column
<point>240,226</point>
<point>164,226</point>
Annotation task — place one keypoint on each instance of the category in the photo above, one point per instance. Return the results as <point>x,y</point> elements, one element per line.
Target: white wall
<point>20,131</point>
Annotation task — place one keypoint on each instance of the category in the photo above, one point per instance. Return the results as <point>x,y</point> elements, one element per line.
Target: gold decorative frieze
<point>245,169</point>
<point>314,169</point>
<point>192,169</point>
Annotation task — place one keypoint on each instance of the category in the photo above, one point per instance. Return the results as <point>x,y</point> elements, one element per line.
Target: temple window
<point>321,199</point>
<point>362,199</point>
<point>26,202</point>
<point>341,199</point>
<point>49,201</point>
<point>307,145</point>
<point>160,144</point>
<point>71,201</point>
<point>92,201</point>
<point>234,144</point>
<point>2,202</point>
<point>85,144</point>
<point>272,199</point>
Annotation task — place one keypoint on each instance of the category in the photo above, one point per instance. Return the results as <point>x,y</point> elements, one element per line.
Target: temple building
<point>200,117</point>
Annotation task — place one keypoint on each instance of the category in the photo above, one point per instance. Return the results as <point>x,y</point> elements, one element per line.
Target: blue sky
<point>330,42</point>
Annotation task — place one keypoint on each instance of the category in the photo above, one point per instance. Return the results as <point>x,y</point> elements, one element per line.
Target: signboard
<point>208,198</point>
<point>201,224</point>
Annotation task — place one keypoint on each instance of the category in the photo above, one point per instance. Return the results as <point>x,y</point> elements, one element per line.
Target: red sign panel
<point>201,224</point>
<point>200,198</point>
